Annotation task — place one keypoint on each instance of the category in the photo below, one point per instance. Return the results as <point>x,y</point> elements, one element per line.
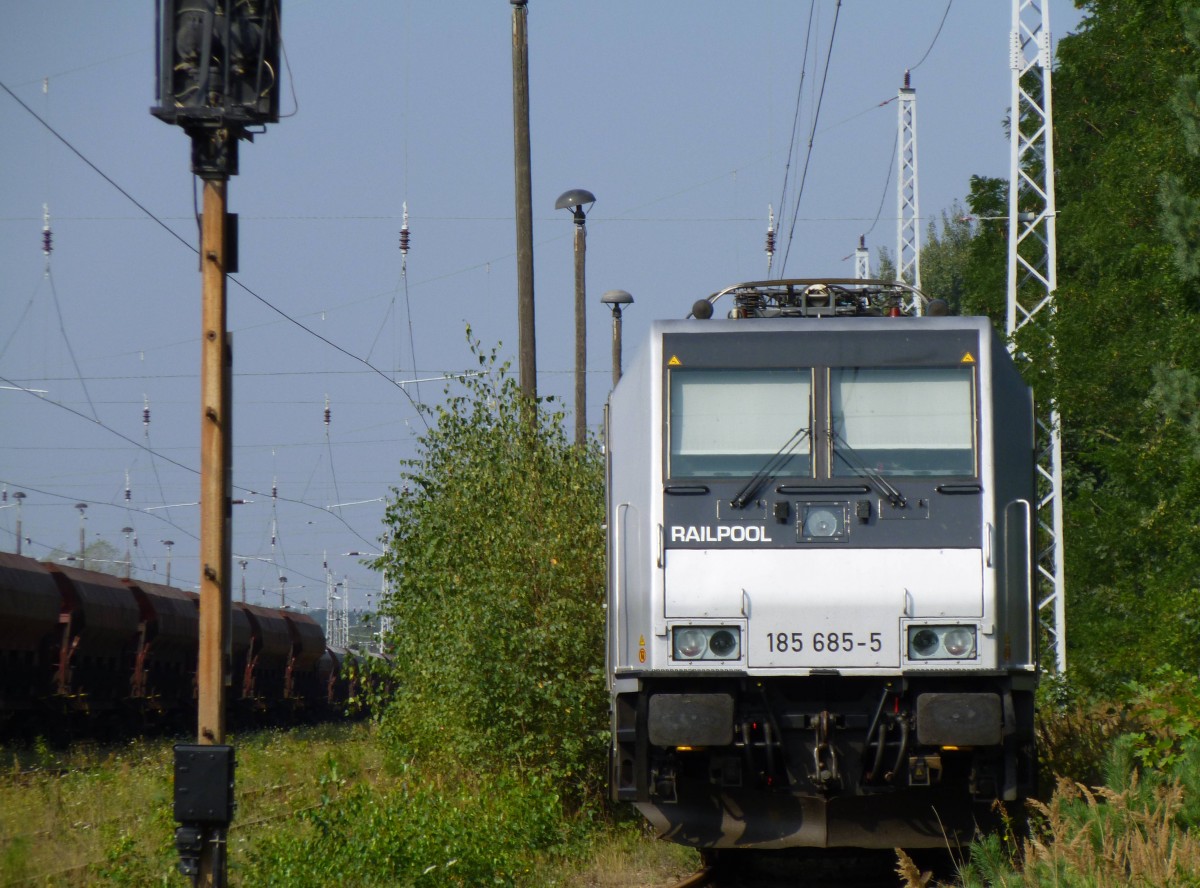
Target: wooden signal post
<point>218,70</point>
<point>216,359</point>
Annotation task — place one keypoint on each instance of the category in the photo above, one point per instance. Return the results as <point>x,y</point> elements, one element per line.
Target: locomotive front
<point>821,625</point>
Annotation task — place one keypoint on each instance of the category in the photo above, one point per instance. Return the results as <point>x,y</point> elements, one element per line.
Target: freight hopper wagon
<point>820,623</point>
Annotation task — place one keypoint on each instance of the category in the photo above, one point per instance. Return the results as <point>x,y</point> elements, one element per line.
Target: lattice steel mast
<point>1032,280</point>
<point>862,259</point>
<point>908,212</point>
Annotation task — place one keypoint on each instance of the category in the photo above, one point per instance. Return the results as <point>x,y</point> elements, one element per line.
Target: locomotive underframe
<point>821,761</point>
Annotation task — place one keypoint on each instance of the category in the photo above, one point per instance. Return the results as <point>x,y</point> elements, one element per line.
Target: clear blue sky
<point>677,114</point>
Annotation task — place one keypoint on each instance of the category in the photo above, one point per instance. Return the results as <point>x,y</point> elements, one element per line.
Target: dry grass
<point>1096,837</point>
<point>1075,740</point>
<point>908,870</point>
<point>630,859</point>
<point>1130,837</point>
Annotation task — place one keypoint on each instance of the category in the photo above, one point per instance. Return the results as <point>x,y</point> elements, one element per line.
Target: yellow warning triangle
<point>968,358</point>
<point>674,362</point>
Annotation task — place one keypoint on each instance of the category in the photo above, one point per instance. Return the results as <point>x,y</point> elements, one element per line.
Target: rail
<point>706,876</point>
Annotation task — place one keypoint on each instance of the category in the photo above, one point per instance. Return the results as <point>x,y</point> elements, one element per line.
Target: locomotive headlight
<point>959,642</point>
<point>821,523</point>
<point>923,643</point>
<point>689,644</point>
<point>723,643</point>
<point>941,642</point>
<point>706,643</point>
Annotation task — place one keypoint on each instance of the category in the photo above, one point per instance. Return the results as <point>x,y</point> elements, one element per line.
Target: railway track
<point>815,869</point>
<point>699,879</point>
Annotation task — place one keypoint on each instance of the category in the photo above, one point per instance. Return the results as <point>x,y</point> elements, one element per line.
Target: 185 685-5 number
<point>823,642</point>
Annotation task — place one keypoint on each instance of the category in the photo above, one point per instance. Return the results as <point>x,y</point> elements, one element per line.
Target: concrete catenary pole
<point>578,200</point>
<point>523,176</point>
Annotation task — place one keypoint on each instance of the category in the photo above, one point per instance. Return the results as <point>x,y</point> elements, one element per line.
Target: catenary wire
<point>787,166</point>
<point>812,135</point>
<point>936,35</point>
<point>176,462</point>
<point>416,405</point>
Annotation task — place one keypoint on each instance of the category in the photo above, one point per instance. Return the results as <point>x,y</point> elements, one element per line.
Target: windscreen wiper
<point>858,466</point>
<point>769,468</point>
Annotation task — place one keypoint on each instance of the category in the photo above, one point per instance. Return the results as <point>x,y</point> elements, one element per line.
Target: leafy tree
<point>984,288</point>
<point>99,555</point>
<point>495,550</point>
<point>944,257</point>
<point>1177,195</point>
<point>1125,334</point>
<point>885,267</point>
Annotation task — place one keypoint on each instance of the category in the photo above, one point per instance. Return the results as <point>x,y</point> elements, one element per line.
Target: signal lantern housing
<point>218,63</point>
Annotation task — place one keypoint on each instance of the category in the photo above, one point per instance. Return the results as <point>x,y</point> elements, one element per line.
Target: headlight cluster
<point>706,643</point>
<point>941,642</point>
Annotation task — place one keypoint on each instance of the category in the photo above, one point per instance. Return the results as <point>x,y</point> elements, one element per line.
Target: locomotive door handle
<point>662,546</point>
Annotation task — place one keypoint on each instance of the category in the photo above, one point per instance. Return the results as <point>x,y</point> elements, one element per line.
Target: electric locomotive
<point>821,626</point>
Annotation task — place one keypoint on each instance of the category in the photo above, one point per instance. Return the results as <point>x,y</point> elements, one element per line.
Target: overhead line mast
<point>908,212</point>
<point>1032,281</point>
<point>862,259</point>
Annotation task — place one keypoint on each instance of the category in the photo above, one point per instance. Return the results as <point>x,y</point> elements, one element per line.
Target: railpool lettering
<point>733,533</point>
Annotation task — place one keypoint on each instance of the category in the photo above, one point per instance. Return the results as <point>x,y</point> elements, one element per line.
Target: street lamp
<point>615,299</point>
<point>82,507</point>
<point>575,201</point>
<point>169,544</point>
<point>19,496</point>
<point>128,558</point>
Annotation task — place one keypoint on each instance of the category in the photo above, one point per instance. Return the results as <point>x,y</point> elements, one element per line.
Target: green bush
<point>495,551</point>
<point>1169,710</point>
<point>483,830</point>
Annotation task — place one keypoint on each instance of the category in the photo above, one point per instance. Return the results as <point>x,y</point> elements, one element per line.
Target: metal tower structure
<point>862,260</point>
<point>1032,280</point>
<point>335,626</point>
<point>908,212</point>
<point>385,620</point>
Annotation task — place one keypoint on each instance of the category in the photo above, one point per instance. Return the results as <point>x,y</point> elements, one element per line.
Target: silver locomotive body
<point>820,616</point>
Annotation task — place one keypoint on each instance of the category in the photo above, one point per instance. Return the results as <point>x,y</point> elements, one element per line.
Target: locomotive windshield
<point>902,421</point>
<point>727,423</point>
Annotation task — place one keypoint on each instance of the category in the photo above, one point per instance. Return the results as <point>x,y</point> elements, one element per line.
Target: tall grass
<point>103,816</point>
<point>1135,830</point>
<point>315,807</point>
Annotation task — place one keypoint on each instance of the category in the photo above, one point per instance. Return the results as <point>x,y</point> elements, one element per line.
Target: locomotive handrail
<point>617,585</point>
<point>1029,580</point>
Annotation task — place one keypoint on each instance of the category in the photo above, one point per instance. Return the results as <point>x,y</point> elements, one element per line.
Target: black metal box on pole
<point>218,62</point>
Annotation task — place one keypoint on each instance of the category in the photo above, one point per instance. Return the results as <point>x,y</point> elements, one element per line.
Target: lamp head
<point>616,300</point>
<point>578,200</point>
